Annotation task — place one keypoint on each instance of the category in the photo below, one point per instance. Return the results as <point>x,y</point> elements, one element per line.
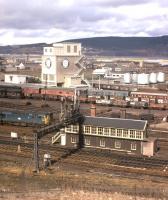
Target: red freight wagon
<point>31,92</point>
<point>57,93</point>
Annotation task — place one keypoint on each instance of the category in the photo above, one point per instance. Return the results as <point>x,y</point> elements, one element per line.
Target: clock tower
<point>59,61</point>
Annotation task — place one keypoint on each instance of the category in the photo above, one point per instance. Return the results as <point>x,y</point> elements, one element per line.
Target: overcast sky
<point>32,21</point>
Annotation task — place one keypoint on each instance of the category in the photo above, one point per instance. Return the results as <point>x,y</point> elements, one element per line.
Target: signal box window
<point>94,130</point>
<point>102,143</point>
<point>73,139</point>
<point>87,141</point>
<point>133,146</point>
<point>117,144</point>
<point>75,49</point>
<point>68,48</point>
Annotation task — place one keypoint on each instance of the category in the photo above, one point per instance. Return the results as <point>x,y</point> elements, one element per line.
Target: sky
<point>36,21</point>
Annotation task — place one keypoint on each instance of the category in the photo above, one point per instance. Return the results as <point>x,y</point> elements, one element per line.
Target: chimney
<point>93,110</point>
<point>123,113</point>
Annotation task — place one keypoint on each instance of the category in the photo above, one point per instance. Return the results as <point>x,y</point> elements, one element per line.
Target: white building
<point>60,61</point>
<point>17,79</point>
<point>20,66</point>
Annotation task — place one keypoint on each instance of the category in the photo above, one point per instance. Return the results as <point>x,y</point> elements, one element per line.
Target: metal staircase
<point>80,72</point>
<point>56,137</point>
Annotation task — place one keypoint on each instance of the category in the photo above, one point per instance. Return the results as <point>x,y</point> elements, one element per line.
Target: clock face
<point>65,63</point>
<point>48,63</point>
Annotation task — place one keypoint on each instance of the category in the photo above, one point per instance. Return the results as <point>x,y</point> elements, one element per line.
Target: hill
<point>126,46</point>
<point>105,46</point>
<point>23,49</point>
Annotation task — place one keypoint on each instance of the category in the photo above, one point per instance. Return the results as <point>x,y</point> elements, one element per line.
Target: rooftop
<point>116,123</point>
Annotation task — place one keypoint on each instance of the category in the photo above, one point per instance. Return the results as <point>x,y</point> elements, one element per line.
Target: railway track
<point>91,159</point>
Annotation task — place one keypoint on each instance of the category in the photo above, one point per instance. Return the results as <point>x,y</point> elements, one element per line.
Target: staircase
<point>80,72</point>
<point>56,137</point>
<point>87,82</point>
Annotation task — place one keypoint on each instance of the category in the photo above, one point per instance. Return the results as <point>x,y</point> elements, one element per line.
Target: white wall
<point>11,78</point>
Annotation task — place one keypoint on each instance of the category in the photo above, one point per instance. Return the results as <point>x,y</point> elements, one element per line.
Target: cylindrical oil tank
<point>143,79</point>
<point>127,78</point>
<point>153,78</point>
<point>161,77</point>
<point>134,77</point>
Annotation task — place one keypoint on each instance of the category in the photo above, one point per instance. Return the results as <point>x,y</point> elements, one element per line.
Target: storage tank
<point>127,78</point>
<point>143,79</point>
<point>153,78</point>
<point>161,77</point>
<point>134,78</point>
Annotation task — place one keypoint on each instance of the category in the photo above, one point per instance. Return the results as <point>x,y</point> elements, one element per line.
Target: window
<point>73,139</point>
<point>117,144</point>
<point>94,130</point>
<point>75,128</point>
<point>51,77</point>
<point>50,49</point>
<point>45,50</point>
<point>132,134</point>
<point>102,143</point>
<point>75,49</point>
<point>119,132</point>
<point>100,131</point>
<point>11,78</point>
<point>68,48</point>
<point>87,129</point>
<point>106,131</point>
<point>68,128</point>
<point>87,141</point>
<point>139,135</point>
<point>133,146</point>
<point>125,133</point>
<point>113,132</point>
<point>44,76</point>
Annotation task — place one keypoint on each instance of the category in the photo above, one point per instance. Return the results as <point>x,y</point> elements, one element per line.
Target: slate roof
<point>115,123</point>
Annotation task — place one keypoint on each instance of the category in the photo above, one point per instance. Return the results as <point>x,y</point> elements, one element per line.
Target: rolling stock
<point>122,98</point>
<point>25,118</point>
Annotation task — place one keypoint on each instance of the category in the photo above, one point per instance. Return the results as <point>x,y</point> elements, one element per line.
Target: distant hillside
<point>106,46</point>
<point>126,46</point>
<point>23,49</point>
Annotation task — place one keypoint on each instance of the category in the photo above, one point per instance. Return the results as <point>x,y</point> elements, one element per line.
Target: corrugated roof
<point>115,123</point>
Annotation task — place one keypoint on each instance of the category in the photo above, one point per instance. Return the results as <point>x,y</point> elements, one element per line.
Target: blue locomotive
<point>44,118</point>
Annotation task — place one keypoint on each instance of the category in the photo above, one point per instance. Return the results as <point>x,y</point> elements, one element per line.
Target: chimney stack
<point>93,110</point>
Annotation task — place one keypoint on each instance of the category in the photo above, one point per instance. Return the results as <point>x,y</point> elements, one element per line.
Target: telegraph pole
<point>36,153</point>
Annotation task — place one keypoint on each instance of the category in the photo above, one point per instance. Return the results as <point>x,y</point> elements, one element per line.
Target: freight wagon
<point>123,98</point>
<point>11,91</point>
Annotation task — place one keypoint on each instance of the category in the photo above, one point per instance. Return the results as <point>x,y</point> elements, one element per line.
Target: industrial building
<point>62,65</point>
